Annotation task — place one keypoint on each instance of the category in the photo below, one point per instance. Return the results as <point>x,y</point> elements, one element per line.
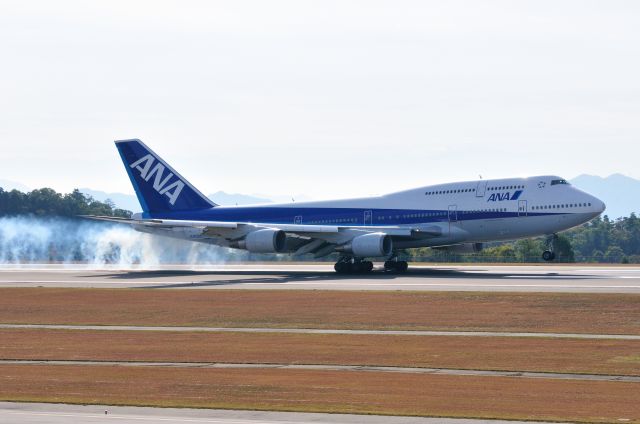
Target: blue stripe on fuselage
<point>332,216</point>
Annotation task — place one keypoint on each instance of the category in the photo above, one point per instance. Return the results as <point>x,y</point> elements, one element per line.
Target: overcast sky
<point>329,99</point>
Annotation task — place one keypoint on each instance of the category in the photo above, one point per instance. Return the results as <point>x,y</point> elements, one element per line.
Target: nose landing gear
<point>549,254</point>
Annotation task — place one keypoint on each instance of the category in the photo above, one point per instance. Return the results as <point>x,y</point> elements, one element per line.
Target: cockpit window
<point>555,182</point>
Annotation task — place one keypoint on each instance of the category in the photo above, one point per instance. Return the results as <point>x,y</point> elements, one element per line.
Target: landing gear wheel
<point>361,267</point>
<point>389,265</point>
<point>548,255</point>
<point>397,266</point>
<point>366,266</point>
<point>402,266</point>
<point>342,267</point>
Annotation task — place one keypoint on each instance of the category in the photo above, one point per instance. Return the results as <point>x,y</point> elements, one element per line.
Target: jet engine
<point>369,245</point>
<point>462,248</point>
<point>263,241</point>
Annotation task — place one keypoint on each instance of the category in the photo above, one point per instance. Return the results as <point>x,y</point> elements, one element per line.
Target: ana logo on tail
<point>160,183</point>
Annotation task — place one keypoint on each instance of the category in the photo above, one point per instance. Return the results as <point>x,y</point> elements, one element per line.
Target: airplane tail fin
<point>158,186</point>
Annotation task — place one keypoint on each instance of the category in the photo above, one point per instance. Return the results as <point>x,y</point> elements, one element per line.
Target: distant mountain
<point>121,200</point>
<point>280,198</point>
<point>130,201</point>
<point>620,193</point>
<point>8,185</point>
<point>230,199</point>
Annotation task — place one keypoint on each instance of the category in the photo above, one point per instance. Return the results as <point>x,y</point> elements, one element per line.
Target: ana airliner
<point>457,217</point>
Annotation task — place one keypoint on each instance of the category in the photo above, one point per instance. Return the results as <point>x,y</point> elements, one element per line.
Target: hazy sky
<point>319,97</point>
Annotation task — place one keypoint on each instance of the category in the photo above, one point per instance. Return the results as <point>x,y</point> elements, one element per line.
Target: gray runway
<point>41,413</point>
<point>322,367</point>
<point>543,278</point>
<point>322,331</point>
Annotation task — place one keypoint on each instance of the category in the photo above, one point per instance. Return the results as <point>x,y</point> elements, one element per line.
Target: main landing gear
<point>395,265</point>
<point>347,265</point>
<point>549,254</point>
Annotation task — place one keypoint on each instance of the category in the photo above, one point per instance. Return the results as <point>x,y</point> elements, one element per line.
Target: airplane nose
<point>598,205</point>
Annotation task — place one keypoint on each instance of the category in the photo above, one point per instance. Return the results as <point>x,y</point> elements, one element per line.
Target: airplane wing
<point>212,226</point>
<point>316,239</point>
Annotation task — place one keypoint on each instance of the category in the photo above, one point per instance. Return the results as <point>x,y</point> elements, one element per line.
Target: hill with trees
<point>48,202</point>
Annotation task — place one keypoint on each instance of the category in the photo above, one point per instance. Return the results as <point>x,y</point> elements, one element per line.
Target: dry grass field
<point>532,312</point>
<point>617,357</point>
<point>326,391</point>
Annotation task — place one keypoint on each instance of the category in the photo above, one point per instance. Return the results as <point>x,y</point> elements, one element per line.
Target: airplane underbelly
<point>520,227</point>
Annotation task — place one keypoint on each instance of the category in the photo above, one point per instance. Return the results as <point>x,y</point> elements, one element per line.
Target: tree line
<point>48,202</point>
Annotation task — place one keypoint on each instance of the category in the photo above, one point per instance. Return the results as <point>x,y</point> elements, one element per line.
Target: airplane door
<point>297,220</point>
<point>368,218</point>
<point>482,186</point>
<point>453,213</point>
<point>522,208</point>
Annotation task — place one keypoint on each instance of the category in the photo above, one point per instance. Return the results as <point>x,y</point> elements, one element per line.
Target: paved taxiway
<point>40,413</point>
<point>360,368</point>
<point>323,331</point>
<point>543,278</point>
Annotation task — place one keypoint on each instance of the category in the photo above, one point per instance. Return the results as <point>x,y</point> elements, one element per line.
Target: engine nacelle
<point>263,241</point>
<point>462,248</point>
<point>370,245</point>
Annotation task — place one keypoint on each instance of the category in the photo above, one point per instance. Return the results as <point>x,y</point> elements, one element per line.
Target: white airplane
<point>457,217</point>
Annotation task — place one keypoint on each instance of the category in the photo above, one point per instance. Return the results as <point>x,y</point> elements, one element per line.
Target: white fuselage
<point>463,212</point>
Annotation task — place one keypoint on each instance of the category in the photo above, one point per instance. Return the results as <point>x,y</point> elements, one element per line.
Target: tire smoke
<point>35,240</point>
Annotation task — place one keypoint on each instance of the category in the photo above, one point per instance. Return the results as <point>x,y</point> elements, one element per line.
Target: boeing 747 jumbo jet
<point>457,217</point>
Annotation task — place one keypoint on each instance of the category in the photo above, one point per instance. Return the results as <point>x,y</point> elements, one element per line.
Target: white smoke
<point>35,240</point>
